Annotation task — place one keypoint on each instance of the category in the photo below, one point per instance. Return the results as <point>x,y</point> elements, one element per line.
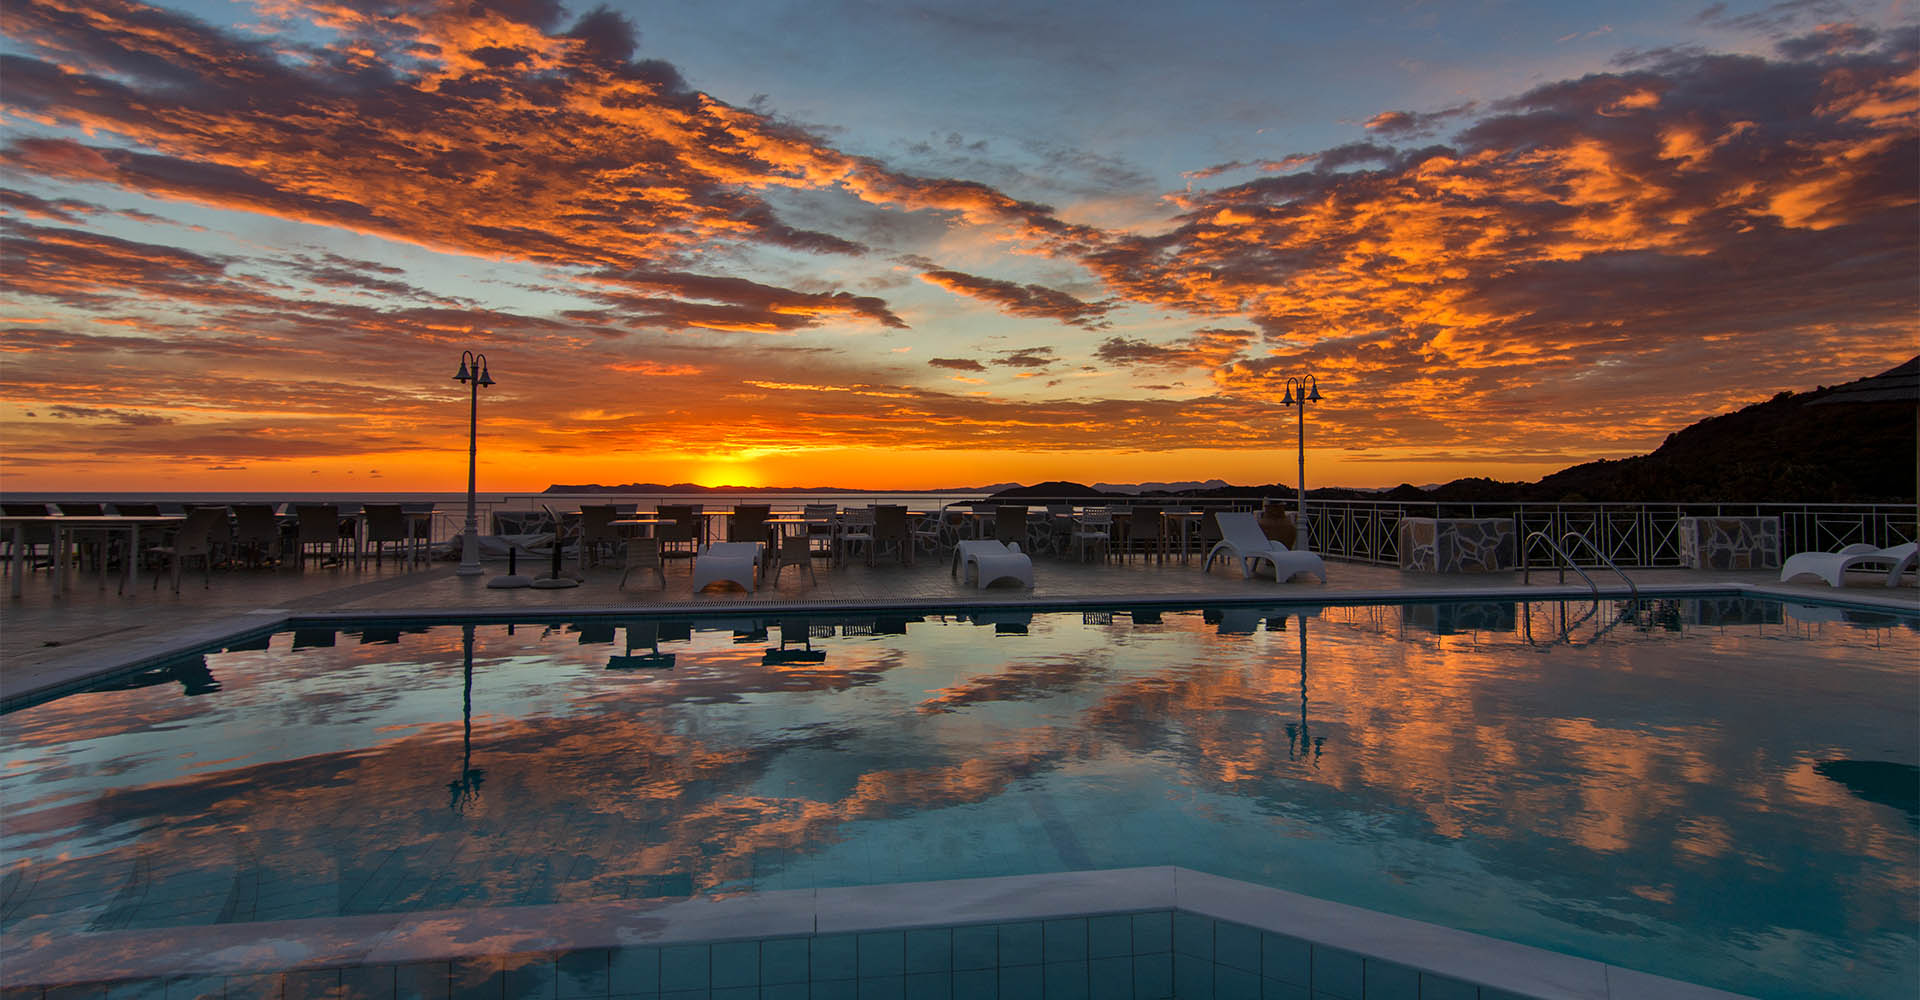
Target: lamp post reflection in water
<point>1300,738</point>
<point>465,790</point>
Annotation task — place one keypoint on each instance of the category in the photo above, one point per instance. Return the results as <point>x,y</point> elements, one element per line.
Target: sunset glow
<point>245,243</point>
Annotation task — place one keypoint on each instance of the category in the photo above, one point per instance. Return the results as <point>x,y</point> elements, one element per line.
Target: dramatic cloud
<point>1021,300</point>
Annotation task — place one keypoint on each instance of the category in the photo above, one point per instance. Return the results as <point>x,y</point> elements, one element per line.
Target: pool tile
<point>1021,982</point>
<point>1065,980</point>
<point>685,967</point>
<point>1152,932</point>
<point>882,954</point>
<point>1192,976</point>
<point>834,989</point>
<point>367,982</point>
<point>583,974</point>
<point>1235,984</point>
<point>1153,976</point>
<point>929,986</point>
<point>1274,989</point>
<point>633,970</point>
<point>1287,959</point>
<point>311,984</point>
<point>197,988</point>
<point>736,964</point>
<point>976,984</point>
<point>1391,981</point>
<point>421,981</point>
<point>1020,944</point>
<point>929,951</point>
<point>265,986</point>
<point>1192,935</point>
<point>1110,977</point>
<point>784,991</point>
<point>1109,936</point>
<point>1434,987</point>
<point>783,961</point>
<point>687,995</point>
<point>883,988</point>
<point>1236,946</point>
<point>1066,940</point>
<point>1338,973</point>
<point>835,957</point>
<point>735,993</point>
<point>976,947</point>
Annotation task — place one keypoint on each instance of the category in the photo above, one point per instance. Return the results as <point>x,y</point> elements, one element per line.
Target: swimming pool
<point>1721,791</point>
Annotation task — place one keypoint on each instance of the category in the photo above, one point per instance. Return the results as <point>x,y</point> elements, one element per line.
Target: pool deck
<point>54,642</point>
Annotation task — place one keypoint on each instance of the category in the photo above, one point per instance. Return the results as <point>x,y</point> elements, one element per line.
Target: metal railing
<point>1634,535</point>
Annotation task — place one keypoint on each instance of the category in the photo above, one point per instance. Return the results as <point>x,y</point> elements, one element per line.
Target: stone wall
<point>1457,544</point>
<point>1729,542</point>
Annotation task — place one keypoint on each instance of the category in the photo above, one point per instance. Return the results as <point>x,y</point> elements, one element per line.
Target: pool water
<point>1721,791</point>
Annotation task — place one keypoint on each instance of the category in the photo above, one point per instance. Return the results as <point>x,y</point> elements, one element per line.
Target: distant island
<point>1852,443</point>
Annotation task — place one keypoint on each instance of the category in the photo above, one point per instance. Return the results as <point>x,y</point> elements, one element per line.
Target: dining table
<point>65,526</point>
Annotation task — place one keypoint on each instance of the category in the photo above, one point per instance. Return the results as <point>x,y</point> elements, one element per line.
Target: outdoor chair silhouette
<point>936,530</point>
<point>90,545</point>
<point>196,538</point>
<point>679,525</point>
<point>597,532</point>
<point>749,522</point>
<point>823,519</point>
<point>1093,529</point>
<point>1010,524</point>
<point>257,531</point>
<point>386,525</point>
<point>1897,560</point>
<point>1242,540</point>
<point>795,550</point>
<point>319,525</point>
<point>644,554</point>
<point>890,529</point>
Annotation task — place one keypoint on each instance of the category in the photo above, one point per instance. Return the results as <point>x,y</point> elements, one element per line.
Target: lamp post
<point>1309,392</point>
<point>473,369</point>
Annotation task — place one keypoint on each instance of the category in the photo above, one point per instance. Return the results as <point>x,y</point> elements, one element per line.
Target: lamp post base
<point>470,553</point>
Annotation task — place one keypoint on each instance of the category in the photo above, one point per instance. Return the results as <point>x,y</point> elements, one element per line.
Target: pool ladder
<point>1565,562</point>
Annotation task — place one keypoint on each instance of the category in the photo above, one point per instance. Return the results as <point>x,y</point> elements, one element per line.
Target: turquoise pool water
<point>1719,791</point>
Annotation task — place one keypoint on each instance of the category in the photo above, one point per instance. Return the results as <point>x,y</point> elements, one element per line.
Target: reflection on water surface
<point>1721,791</point>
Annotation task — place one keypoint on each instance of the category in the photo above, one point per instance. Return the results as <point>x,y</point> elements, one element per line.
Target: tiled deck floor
<point>43,634</point>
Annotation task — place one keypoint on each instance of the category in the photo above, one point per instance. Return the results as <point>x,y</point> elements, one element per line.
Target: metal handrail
<point>1566,562</point>
<point>1602,556</point>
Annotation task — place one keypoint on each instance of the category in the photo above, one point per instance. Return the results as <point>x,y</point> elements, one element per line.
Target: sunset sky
<point>902,246</point>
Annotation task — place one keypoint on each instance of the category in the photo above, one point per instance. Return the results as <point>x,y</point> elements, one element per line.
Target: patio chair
<point>794,550</point>
<point>1010,524</point>
<point>936,530</point>
<point>890,529</point>
<point>386,525</point>
<point>597,532</point>
<point>679,525</point>
<point>1242,540</point>
<point>319,525</point>
<point>988,561</point>
<point>1092,529</point>
<point>823,519</point>
<point>198,537</point>
<point>1897,560</point>
<point>749,522</point>
<point>730,562</point>
<point>256,531</point>
<point>644,554</point>
<point>856,528</point>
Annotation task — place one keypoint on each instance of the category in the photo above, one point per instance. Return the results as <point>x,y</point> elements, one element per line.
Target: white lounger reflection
<point>1242,539</point>
<point>735,562</point>
<point>991,561</point>
<point>1897,560</point>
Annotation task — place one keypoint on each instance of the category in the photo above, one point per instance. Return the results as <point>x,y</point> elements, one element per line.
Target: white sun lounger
<point>737,562</point>
<point>1897,560</point>
<point>991,561</point>
<point>1242,539</point>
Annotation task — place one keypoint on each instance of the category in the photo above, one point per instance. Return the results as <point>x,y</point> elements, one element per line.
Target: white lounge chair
<point>736,562</point>
<point>991,561</point>
<point>1897,560</point>
<point>1242,539</point>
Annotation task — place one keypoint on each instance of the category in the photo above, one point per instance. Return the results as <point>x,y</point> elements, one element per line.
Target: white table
<point>63,529</point>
